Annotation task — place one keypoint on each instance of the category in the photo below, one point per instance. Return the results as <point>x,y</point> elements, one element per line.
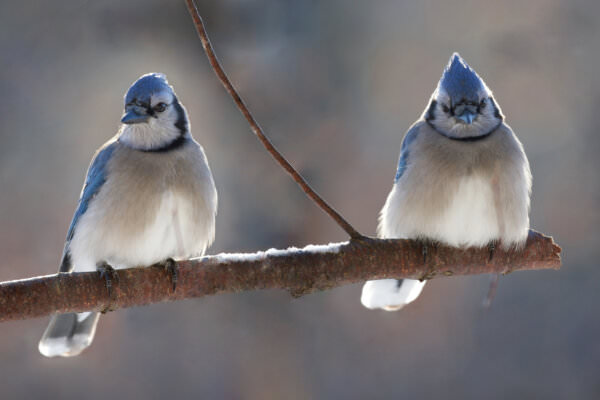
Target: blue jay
<point>149,197</point>
<point>463,179</point>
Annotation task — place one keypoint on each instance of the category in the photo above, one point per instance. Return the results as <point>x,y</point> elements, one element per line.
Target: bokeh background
<point>335,84</point>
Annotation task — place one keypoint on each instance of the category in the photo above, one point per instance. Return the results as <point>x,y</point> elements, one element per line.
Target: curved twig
<point>214,62</point>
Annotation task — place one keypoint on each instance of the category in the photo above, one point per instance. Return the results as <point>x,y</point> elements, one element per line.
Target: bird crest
<point>146,85</point>
<point>460,82</point>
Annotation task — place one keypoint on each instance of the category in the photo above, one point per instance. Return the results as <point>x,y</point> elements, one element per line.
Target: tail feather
<point>390,294</point>
<point>68,335</point>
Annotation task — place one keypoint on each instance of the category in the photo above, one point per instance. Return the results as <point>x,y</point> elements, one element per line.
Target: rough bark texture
<point>300,271</point>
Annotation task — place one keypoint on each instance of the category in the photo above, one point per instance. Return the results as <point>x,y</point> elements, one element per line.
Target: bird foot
<point>491,249</point>
<point>172,269</point>
<point>109,274</point>
<point>426,244</point>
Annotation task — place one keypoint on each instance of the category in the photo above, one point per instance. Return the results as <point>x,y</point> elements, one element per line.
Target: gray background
<point>335,84</point>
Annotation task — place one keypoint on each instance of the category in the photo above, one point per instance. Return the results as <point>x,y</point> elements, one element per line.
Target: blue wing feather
<point>410,136</point>
<point>94,180</point>
<point>96,176</point>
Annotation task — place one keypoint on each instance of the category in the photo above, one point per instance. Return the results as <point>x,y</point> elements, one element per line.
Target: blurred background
<point>335,85</point>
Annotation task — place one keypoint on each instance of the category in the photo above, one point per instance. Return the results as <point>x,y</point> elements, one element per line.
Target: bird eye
<point>445,108</point>
<point>482,104</point>
<point>160,107</point>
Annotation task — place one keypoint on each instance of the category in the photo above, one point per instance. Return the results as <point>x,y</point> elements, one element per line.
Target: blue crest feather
<point>460,81</point>
<point>146,85</point>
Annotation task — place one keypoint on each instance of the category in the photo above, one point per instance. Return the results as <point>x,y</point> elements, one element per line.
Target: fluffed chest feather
<point>150,208</point>
<point>463,194</point>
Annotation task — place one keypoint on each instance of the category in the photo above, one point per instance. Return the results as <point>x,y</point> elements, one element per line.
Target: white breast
<point>177,230</point>
<point>468,219</point>
<point>174,233</point>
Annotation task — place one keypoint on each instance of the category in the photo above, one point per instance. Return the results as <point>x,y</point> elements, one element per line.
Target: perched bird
<point>463,180</point>
<point>149,197</point>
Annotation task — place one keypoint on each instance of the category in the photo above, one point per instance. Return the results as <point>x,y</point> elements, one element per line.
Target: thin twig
<point>301,271</point>
<point>214,62</point>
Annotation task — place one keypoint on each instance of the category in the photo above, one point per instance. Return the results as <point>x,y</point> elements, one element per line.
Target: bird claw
<point>491,248</point>
<point>173,270</point>
<point>425,245</point>
<point>109,274</point>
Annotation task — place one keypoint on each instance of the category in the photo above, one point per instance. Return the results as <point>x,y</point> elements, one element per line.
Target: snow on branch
<point>300,271</point>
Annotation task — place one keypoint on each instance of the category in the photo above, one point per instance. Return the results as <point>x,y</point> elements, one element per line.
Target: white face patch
<point>161,97</point>
<point>159,131</point>
<point>451,126</point>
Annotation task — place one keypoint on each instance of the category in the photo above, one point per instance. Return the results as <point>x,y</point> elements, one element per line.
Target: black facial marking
<point>430,116</point>
<point>181,123</point>
<point>497,112</point>
<point>141,103</point>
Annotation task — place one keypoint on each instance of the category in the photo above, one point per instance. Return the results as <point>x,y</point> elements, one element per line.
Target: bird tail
<point>68,335</point>
<point>390,294</point>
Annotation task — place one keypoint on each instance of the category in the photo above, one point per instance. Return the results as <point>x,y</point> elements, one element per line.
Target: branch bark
<point>300,271</point>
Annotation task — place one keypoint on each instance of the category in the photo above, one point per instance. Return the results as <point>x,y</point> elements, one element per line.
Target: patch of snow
<point>261,255</point>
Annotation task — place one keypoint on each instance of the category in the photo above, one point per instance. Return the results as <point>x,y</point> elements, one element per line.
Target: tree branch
<point>214,62</point>
<point>300,271</point>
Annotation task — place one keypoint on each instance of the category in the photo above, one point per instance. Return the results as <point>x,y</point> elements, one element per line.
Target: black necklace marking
<point>181,124</point>
<point>178,142</point>
<point>466,138</point>
<point>430,115</point>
